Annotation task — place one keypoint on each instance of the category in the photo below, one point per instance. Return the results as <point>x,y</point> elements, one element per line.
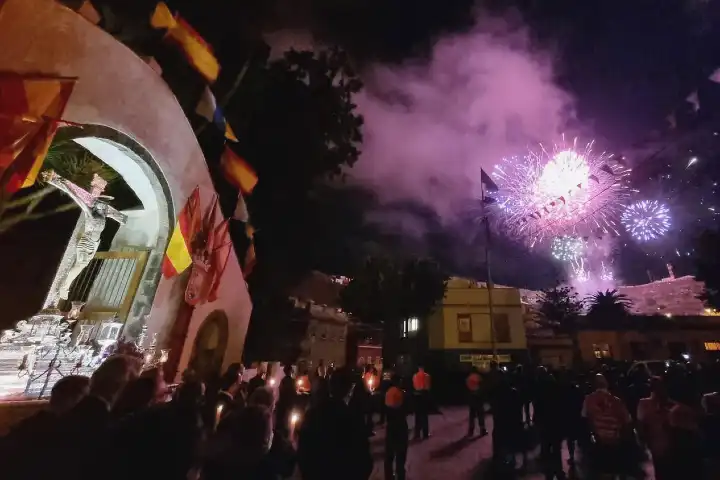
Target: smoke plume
<point>430,125</point>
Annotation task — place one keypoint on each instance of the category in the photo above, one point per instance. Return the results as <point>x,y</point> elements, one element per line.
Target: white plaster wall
<point>140,229</point>
<point>117,89</point>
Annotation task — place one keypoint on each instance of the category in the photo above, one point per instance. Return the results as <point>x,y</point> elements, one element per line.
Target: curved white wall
<point>117,89</point>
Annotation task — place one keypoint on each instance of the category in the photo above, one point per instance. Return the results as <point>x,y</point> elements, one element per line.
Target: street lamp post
<point>489,282</point>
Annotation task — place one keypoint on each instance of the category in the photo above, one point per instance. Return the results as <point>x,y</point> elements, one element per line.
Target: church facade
<point>124,114</point>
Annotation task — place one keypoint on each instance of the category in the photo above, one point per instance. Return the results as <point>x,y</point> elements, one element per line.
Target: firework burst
<point>567,191</point>
<point>646,220</point>
<point>606,273</point>
<point>580,271</point>
<point>567,248</point>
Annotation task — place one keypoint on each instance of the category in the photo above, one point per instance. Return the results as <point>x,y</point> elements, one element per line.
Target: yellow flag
<point>197,51</point>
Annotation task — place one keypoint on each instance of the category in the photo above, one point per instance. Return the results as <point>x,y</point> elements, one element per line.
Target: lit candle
<point>218,414</point>
<point>294,419</point>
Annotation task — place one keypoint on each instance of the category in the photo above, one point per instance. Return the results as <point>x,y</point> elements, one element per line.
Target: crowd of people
<point>616,419</point>
<point>123,423</point>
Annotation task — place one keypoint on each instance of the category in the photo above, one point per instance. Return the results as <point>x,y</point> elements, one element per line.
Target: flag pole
<point>489,281</point>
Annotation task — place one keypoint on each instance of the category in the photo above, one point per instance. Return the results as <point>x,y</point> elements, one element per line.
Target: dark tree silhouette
<point>560,308</point>
<point>386,293</point>
<point>297,126</point>
<point>608,307</point>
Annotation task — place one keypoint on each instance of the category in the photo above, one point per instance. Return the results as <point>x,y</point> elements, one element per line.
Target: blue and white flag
<point>208,109</point>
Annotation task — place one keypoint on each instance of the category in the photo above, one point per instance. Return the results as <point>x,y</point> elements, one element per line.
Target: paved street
<point>447,454</point>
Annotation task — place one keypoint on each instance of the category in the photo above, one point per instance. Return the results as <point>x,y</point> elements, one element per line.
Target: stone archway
<point>118,90</point>
<point>148,228</point>
<point>210,345</point>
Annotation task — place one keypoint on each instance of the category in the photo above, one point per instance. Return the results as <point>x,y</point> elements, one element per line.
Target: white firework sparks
<point>567,248</point>
<point>606,273</point>
<point>569,191</point>
<point>646,220</point>
<point>580,271</point>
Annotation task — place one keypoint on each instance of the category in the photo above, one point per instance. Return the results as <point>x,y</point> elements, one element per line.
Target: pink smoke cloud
<point>431,125</point>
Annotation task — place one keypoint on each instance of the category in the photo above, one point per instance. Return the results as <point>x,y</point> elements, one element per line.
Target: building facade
<point>458,335</point>
<point>326,331</point>
<point>655,338</point>
<point>680,338</point>
<point>123,112</point>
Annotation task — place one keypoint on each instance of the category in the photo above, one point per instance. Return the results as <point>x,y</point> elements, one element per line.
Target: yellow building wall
<point>467,297</point>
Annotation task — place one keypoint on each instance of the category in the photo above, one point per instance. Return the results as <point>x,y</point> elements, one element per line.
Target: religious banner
<point>210,252</point>
<point>201,273</point>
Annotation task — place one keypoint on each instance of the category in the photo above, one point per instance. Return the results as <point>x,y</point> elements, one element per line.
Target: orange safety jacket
<point>421,381</point>
<point>394,397</point>
<point>473,382</point>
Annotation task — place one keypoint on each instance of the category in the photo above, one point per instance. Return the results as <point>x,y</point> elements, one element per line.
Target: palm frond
<point>76,164</point>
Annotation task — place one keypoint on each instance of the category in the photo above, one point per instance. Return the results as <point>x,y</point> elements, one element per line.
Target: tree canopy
<point>298,127</point>
<point>385,293</point>
<point>609,307</point>
<point>559,308</point>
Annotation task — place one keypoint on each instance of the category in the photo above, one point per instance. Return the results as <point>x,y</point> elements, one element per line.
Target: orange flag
<point>30,108</point>
<point>178,254</point>
<point>237,171</point>
<point>197,51</point>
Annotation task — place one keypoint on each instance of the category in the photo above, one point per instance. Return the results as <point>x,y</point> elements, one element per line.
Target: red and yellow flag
<point>197,51</point>
<point>237,171</point>
<point>30,108</point>
<point>178,254</point>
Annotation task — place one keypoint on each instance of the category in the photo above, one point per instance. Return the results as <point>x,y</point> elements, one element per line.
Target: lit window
<point>712,346</point>
<point>602,350</point>
<point>413,324</point>
<point>410,325</point>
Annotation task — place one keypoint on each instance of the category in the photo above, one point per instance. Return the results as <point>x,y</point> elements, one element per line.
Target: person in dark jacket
<point>508,435</point>
<point>242,449</point>
<point>571,424</point>
<point>35,433</point>
<point>287,391</point>
<point>396,435</point>
<point>549,421</point>
<point>333,441</point>
<point>476,403</point>
<point>162,440</point>
<point>82,428</point>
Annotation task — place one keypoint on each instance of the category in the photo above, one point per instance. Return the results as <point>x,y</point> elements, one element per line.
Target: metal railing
<point>109,283</point>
